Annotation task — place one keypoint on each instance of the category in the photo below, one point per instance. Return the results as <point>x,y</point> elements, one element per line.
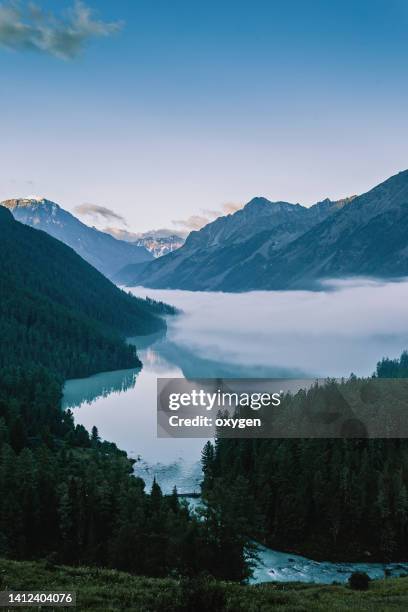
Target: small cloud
<point>98,213</point>
<point>211,214</point>
<point>196,222</point>
<point>122,234</point>
<point>231,207</point>
<point>26,27</point>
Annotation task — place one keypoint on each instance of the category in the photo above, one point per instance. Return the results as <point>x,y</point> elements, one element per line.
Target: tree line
<point>329,498</point>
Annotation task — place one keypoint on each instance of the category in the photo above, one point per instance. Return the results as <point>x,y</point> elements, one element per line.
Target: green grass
<point>110,590</point>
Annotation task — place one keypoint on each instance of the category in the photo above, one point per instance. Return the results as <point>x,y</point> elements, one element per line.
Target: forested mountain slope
<point>58,311</point>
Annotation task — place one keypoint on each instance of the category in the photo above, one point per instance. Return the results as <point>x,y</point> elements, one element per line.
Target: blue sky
<point>187,106</point>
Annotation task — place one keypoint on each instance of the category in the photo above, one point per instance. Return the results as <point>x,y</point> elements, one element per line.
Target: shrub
<point>359,581</point>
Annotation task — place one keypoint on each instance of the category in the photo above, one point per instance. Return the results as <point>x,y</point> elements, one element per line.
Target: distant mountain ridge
<point>277,245</point>
<point>157,242</point>
<point>106,253</point>
<point>367,238</point>
<point>258,230</point>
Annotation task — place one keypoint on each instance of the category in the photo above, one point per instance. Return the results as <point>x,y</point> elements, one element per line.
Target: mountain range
<point>106,253</point>
<point>279,245</point>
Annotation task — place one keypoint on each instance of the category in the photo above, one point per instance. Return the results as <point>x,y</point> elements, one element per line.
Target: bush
<point>359,581</point>
<point>203,594</point>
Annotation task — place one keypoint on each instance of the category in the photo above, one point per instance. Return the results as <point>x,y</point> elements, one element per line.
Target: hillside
<point>59,311</point>
<point>104,252</point>
<point>111,591</point>
<point>366,235</point>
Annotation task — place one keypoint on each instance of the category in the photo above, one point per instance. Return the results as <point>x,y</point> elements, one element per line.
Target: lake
<point>346,328</point>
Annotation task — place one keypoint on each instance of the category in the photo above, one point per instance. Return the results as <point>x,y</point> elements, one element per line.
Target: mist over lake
<point>346,328</point>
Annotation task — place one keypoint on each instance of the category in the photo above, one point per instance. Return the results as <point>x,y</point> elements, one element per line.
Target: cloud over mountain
<point>26,27</point>
<point>96,213</point>
<point>196,222</point>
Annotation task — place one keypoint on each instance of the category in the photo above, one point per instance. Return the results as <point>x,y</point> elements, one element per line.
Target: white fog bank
<point>346,328</point>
